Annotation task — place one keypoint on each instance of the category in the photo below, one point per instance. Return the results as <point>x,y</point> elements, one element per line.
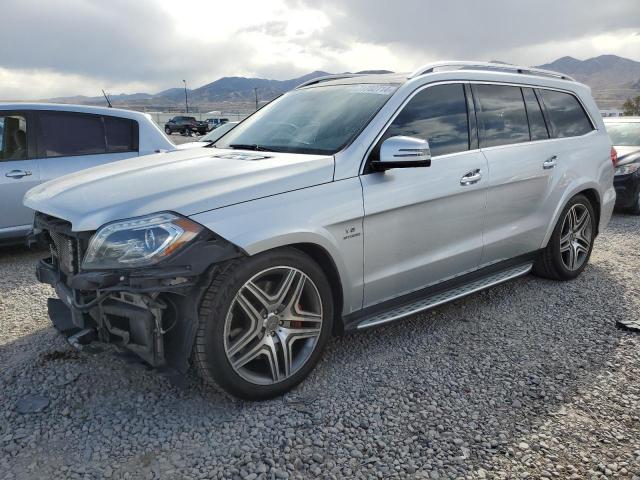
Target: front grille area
<point>67,247</point>
<point>65,251</point>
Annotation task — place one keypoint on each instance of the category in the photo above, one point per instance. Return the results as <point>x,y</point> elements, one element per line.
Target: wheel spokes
<point>267,323</point>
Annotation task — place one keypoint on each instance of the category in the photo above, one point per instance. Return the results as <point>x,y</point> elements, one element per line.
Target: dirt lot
<point>530,379</point>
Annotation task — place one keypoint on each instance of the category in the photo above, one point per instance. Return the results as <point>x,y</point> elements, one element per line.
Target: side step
<point>445,296</point>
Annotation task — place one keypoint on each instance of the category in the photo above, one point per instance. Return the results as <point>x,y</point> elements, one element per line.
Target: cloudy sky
<point>67,47</point>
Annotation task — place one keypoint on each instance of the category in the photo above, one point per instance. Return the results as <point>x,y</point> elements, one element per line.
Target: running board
<point>444,296</point>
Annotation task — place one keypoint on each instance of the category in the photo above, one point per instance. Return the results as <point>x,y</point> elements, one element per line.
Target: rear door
<point>424,225</point>
<point>515,140</point>
<point>71,141</point>
<point>18,172</point>
<point>530,156</point>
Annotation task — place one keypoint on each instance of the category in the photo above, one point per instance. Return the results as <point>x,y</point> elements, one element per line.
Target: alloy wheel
<point>576,237</point>
<point>273,325</point>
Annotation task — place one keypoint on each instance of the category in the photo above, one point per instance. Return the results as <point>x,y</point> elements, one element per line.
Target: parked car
<point>185,126</point>
<point>625,135</point>
<point>213,123</point>
<point>211,137</point>
<point>40,141</point>
<point>347,203</point>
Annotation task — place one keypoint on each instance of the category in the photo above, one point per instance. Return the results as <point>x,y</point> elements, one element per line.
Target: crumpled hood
<point>182,181</point>
<point>627,154</point>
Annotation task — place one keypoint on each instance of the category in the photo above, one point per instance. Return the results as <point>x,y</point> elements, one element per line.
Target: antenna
<point>107,98</point>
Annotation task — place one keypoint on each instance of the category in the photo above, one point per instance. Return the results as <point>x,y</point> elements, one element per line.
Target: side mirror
<point>403,152</point>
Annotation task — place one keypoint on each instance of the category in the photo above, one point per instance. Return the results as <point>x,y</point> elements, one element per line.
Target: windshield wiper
<point>255,147</point>
<point>242,146</point>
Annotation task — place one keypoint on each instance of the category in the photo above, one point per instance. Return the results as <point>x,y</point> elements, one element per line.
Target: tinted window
<point>121,134</point>
<point>13,138</point>
<point>66,134</point>
<point>437,114</point>
<point>501,115</point>
<point>568,118</point>
<point>537,126</point>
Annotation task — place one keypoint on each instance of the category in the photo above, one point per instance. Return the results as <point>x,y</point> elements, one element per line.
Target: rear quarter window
<point>565,114</point>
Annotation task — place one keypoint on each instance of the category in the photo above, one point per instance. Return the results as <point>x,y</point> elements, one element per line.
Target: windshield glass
<point>624,134</point>
<point>217,133</point>
<point>320,120</point>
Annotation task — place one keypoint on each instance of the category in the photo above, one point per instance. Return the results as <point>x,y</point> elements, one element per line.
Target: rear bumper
<point>627,189</point>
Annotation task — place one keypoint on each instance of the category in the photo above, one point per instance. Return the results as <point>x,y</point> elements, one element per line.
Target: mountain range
<point>612,79</point>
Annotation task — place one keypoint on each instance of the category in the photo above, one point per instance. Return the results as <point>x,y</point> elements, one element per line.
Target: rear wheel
<point>264,322</point>
<point>569,248</point>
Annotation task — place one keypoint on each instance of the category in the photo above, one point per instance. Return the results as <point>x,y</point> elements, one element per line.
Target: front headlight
<point>627,169</point>
<point>138,242</point>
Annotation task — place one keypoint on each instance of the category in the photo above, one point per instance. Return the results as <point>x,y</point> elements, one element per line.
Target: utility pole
<point>255,90</point>
<point>186,99</point>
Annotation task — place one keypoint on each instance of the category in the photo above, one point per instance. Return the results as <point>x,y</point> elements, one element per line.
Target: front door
<point>18,173</point>
<point>424,225</point>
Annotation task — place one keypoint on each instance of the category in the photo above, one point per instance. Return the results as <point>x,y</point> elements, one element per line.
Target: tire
<point>227,336</point>
<point>635,208</point>
<point>167,130</point>
<point>555,261</point>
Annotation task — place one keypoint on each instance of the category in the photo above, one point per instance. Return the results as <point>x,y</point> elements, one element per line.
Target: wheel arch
<point>591,192</point>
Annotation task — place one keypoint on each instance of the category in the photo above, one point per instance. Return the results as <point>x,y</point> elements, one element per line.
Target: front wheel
<point>569,248</point>
<point>263,324</point>
<point>167,130</point>
<point>635,208</point>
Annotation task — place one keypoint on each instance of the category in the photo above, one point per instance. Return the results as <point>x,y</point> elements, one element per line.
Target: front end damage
<point>151,311</point>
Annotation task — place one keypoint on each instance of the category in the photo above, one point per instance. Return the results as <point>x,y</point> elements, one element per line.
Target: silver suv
<point>347,203</point>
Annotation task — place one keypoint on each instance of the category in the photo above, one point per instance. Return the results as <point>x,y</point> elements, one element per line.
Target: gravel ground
<point>530,379</point>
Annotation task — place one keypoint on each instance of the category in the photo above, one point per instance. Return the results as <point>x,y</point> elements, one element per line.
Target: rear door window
<point>537,126</point>
<point>501,115</point>
<point>13,138</point>
<point>566,115</point>
<point>437,114</point>
<point>64,134</point>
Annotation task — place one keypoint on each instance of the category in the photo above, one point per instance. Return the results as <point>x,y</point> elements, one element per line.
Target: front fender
<point>328,216</point>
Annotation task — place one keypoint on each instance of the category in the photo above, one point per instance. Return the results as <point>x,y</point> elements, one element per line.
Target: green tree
<point>632,106</point>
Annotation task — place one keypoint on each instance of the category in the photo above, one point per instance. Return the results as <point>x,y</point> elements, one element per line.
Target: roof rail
<point>499,67</point>
<point>327,78</point>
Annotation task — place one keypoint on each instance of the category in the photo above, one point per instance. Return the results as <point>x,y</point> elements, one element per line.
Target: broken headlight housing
<point>139,242</point>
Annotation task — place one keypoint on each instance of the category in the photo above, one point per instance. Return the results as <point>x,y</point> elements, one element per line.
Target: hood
<point>182,181</point>
<point>627,154</point>
<point>188,145</point>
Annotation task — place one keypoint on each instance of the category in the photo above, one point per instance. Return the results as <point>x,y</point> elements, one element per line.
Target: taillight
<point>614,157</point>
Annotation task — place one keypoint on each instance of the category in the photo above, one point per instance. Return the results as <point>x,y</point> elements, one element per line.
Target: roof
<point>463,69</point>
<point>63,107</point>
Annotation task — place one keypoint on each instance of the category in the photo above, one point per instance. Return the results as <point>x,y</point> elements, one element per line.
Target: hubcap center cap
<point>271,322</point>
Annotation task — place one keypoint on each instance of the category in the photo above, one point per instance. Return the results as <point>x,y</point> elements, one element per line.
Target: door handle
<point>474,176</point>
<point>18,174</point>
<point>550,163</point>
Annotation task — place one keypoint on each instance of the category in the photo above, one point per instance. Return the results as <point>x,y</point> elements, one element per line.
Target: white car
<point>42,141</point>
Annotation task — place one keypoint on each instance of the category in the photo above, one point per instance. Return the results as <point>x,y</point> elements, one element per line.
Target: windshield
<point>217,133</point>
<point>320,120</point>
<point>624,134</point>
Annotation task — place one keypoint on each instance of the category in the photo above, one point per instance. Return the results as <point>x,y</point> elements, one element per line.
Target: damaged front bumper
<point>151,311</point>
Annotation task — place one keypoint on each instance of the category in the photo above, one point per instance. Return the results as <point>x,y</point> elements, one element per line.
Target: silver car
<point>347,203</point>
<point>42,141</point>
